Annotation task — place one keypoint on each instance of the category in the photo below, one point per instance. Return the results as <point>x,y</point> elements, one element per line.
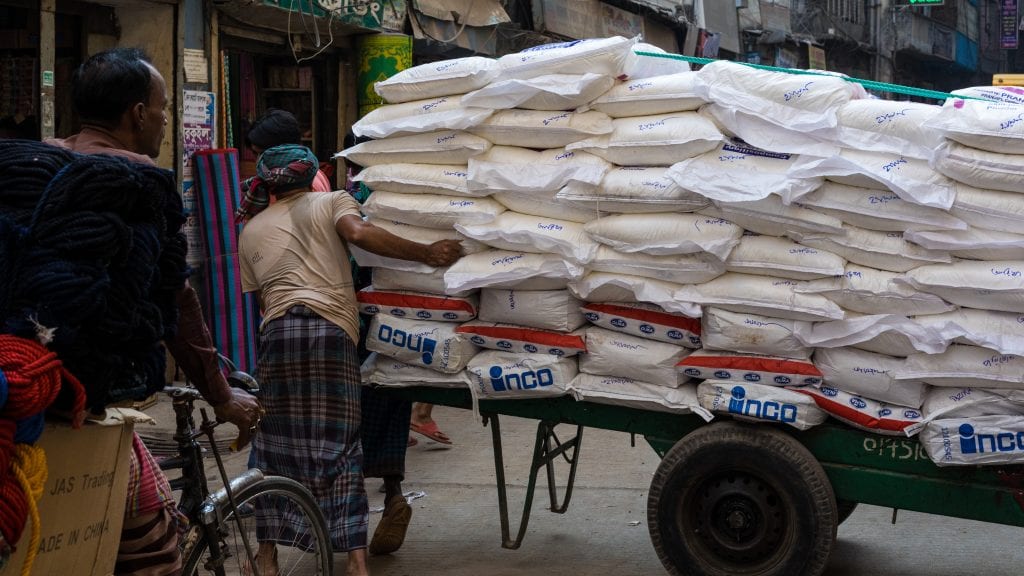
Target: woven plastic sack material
<point>675,268</point>
<point>550,92</point>
<point>433,345</point>
<point>666,234</point>
<point>523,339</point>
<point>880,250</point>
<point>439,179</point>
<point>975,441</point>
<point>420,305</point>
<point>962,365</point>
<point>863,413</point>
<point>494,374</point>
<point>878,210</point>
<point>752,334</point>
<point>800,102</point>
<point>652,95</point>
<point>616,354</point>
<point>606,56</point>
<point>890,334</point>
<point>770,256</point>
<point>731,366</point>
<point>972,244</point>
<point>767,135</point>
<point>380,370</point>
<point>431,283</point>
<point>760,403</point>
<point>504,269</point>
<point>1007,94</point>
<point>911,179</point>
<point>972,284</point>
<point>979,168</point>
<point>619,391</point>
<point>556,310</point>
<point>1000,331</point>
<point>992,126</point>
<point>419,234</point>
<point>455,76</point>
<point>738,172</point>
<point>442,147</point>
<point>431,210</point>
<point>634,190</point>
<point>765,295</point>
<point>513,169</point>
<point>643,66</point>
<point>888,126</point>
<point>546,205</point>
<point>869,375</point>
<point>610,287</point>
<point>770,217</point>
<point>870,291</point>
<point>656,140</point>
<point>989,209</point>
<point>526,128</point>
<point>645,321</point>
<point>968,403</point>
<point>523,232</point>
<point>421,116</point>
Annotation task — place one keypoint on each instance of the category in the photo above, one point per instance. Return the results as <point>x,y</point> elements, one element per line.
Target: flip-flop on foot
<point>431,431</point>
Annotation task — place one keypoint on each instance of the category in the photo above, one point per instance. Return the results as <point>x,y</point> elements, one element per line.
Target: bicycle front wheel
<point>273,510</point>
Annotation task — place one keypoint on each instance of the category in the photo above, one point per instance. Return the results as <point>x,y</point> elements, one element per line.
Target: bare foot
<point>266,560</point>
<point>356,565</point>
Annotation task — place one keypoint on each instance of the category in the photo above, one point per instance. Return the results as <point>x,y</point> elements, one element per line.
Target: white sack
<point>770,217</point>
<point>494,375</point>
<point>380,370</point>
<point>505,269</point>
<point>869,375</point>
<point>676,268</point>
<point>611,287</point>
<point>454,76</point>
<point>962,365</point>
<point>760,403</point>
<point>656,140</point>
<point>975,284</point>
<point>980,168</point>
<point>767,135</point>
<point>619,391</point>
<point>431,210</point>
<point>760,295</point>
<point>645,321</point>
<point>522,232</point>
<point>543,309</point>
<point>431,283</point>
<point>1008,94</point>
<point>863,413</point>
<point>992,126</point>
<point>968,403</point>
<point>652,95</point>
<point>433,345</point>
<point>751,368</point>
<point>880,250</point>
<point>989,209</point>
<point>878,209</point>
<point>870,291</point>
<point>770,256</point>
<point>617,354</point>
<point>529,128</point>
<point>999,331</point>
<point>973,243</point>
<point>523,339</point>
<point>442,147</point>
<point>752,334</point>
<point>635,189</point>
<point>513,169</point>
<point>430,115</point>
<point>420,305</point>
<point>648,66</point>
<point>883,333</point>
<point>607,56</point>
<point>975,441</point>
<point>666,233</point>
<point>546,205</point>
<point>440,179</point>
<point>888,126</point>
<point>550,92</point>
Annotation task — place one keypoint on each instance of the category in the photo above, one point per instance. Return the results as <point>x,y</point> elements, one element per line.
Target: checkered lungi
<point>309,381</point>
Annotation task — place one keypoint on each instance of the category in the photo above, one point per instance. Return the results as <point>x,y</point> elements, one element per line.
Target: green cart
<point>731,498</point>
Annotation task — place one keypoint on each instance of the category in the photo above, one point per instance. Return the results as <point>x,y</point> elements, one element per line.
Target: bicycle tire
<point>287,494</point>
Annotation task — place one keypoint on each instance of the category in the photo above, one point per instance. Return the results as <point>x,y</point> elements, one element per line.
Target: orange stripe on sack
<point>425,302</point>
<point>544,337</point>
<point>653,316</point>
<point>774,365</point>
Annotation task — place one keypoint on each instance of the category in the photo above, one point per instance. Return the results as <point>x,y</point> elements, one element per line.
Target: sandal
<point>390,533</point>
<point>430,431</point>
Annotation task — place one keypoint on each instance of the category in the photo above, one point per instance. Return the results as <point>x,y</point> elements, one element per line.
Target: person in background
<point>121,100</point>
<point>293,255</point>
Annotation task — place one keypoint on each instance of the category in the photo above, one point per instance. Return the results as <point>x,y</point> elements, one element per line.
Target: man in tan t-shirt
<point>294,255</point>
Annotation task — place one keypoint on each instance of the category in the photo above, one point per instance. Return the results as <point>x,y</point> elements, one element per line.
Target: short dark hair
<point>109,83</point>
<point>274,128</point>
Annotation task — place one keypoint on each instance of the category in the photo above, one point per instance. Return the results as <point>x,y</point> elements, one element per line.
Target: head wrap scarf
<point>279,169</point>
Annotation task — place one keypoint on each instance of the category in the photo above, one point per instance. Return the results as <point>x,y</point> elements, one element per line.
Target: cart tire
<point>732,499</point>
<point>845,509</point>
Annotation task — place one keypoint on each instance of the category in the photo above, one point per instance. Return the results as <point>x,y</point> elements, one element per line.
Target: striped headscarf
<point>279,169</point>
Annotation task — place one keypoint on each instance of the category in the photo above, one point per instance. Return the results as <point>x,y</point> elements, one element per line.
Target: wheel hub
<point>739,518</point>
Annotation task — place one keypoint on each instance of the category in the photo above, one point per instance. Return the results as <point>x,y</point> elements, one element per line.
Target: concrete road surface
<point>455,529</point>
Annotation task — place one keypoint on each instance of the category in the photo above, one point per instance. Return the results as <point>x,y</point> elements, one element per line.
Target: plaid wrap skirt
<point>310,387</point>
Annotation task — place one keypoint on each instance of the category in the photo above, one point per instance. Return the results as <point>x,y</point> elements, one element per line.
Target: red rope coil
<point>35,377</point>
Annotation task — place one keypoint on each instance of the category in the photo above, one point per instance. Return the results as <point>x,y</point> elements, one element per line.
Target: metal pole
<point>47,43</point>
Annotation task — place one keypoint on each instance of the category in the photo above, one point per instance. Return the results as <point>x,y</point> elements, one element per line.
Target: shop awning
<point>468,24</point>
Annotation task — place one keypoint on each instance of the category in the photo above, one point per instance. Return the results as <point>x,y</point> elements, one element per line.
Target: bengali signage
<point>1008,28</point>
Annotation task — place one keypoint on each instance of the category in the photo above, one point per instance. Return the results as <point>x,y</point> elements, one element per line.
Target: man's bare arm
<point>379,241</point>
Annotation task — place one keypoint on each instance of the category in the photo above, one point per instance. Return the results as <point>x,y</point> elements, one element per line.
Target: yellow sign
<point>815,58</point>
<point>1008,80</point>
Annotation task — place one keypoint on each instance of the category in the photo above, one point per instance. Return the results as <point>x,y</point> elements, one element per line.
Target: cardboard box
<point>82,508</point>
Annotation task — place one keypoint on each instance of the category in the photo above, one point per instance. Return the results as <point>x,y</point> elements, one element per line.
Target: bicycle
<point>223,534</point>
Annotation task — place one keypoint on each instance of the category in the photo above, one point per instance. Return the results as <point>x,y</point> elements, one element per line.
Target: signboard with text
<point>1008,28</point>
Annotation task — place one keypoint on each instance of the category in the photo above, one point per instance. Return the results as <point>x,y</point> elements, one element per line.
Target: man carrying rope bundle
<point>121,100</point>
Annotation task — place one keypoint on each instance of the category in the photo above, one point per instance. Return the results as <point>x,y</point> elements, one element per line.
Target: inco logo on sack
<point>504,344</point>
<point>752,377</point>
<point>372,309</point>
<point>971,443</point>
<point>911,414</point>
<point>858,403</point>
<point>450,316</point>
<point>692,372</point>
<point>425,315</point>
<point>647,329</point>
<point>591,317</point>
<point>618,323</point>
<point>766,410</point>
<point>413,342</point>
<point>556,352</point>
<point>477,340</point>
<point>397,312</point>
<point>530,348</point>
<point>782,380</point>
<point>527,380</point>
<point>723,375</point>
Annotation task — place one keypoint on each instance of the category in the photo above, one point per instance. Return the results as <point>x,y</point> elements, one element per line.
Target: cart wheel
<point>731,499</point>
<point>845,509</point>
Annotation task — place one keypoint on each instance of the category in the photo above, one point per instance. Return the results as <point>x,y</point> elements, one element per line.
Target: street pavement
<point>455,529</point>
